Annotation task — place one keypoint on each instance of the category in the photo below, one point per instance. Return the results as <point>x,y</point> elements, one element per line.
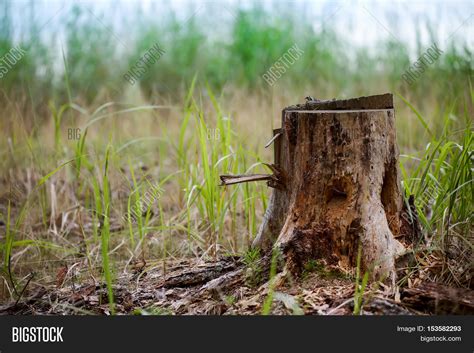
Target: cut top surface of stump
<point>376,102</point>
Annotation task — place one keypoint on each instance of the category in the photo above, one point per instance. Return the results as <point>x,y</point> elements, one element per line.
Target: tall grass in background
<point>220,153</point>
<point>98,52</point>
<point>442,182</point>
<point>443,177</point>
<point>92,55</point>
<point>105,230</point>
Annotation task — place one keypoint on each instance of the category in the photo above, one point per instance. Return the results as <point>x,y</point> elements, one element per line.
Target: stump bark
<point>338,186</point>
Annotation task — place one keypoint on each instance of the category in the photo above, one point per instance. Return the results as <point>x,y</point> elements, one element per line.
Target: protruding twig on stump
<point>274,180</point>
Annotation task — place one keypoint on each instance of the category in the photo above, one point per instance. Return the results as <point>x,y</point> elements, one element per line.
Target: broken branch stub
<point>274,180</point>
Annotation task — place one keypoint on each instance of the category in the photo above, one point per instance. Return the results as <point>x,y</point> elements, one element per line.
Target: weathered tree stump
<point>338,185</point>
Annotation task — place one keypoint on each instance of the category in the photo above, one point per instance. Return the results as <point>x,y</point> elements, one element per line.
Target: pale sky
<point>362,23</point>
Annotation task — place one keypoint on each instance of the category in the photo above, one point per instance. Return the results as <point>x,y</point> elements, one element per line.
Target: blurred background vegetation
<point>100,44</point>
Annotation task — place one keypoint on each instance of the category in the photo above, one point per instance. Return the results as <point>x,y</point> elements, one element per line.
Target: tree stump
<point>338,186</point>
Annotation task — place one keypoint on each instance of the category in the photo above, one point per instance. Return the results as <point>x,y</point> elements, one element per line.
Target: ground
<point>227,287</point>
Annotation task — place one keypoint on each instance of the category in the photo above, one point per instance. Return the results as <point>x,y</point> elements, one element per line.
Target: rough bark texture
<point>340,185</point>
